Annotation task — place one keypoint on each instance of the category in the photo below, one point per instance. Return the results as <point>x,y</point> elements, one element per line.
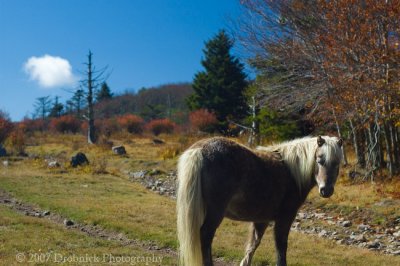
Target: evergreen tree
<point>78,101</point>
<point>42,107</point>
<point>219,88</point>
<point>56,109</point>
<point>104,93</point>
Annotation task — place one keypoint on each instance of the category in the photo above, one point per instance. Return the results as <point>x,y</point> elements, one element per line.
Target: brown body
<point>245,185</point>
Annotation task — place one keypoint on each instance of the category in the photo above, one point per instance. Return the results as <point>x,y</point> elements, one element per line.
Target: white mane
<point>299,156</point>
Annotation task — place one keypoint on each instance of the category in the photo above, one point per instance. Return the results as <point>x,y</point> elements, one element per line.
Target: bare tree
<point>94,78</point>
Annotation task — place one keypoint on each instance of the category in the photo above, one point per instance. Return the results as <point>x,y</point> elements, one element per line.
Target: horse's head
<point>328,157</point>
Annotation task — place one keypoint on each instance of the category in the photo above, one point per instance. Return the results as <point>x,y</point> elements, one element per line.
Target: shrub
<point>16,141</point>
<point>6,126</point>
<point>203,120</point>
<point>159,126</point>
<point>107,126</point>
<point>132,123</point>
<point>32,125</point>
<point>65,124</point>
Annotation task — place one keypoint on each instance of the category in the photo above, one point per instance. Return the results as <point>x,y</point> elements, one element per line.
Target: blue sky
<point>144,43</point>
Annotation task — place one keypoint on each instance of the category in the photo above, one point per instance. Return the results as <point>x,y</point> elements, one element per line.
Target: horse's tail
<point>190,207</point>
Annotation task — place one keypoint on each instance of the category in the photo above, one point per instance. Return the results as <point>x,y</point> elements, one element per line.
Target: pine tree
<point>57,108</point>
<point>104,93</point>
<point>219,88</point>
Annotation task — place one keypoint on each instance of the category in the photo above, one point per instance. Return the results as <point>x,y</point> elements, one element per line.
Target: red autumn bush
<point>107,126</point>
<point>6,126</point>
<point>159,126</point>
<point>203,120</point>
<point>132,123</point>
<point>32,125</point>
<point>16,140</point>
<point>65,124</point>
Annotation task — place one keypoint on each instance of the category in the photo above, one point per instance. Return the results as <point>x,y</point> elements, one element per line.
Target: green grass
<point>27,240</point>
<point>114,203</point>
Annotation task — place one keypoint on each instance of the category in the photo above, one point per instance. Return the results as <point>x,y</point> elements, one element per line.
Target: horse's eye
<point>320,160</point>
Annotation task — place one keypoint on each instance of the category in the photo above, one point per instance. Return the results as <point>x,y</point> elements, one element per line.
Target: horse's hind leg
<point>207,231</point>
<point>256,233</point>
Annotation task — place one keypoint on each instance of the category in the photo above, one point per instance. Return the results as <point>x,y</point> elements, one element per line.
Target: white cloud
<point>50,71</point>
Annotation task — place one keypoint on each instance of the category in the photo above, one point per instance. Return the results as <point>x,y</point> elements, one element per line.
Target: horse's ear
<point>320,141</point>
<point>340,142</point>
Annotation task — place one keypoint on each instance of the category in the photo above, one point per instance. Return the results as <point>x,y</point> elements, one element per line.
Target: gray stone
<point>345,223</point>
<point>79,159</point>
<point>46,213</point>
<point>323,233</point>
<point>358,238</point>
<point>119,150</point>
<point>364,227</point>
<point>53,164</point>
<point>138,175</point>
<point>6,163</point>
<point>373,244</point>
<point>68,222</point>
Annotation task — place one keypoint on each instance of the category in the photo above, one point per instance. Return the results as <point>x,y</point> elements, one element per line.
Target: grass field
<point>102,195</point>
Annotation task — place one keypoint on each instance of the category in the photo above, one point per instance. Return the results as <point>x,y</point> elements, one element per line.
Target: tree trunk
<point>389,154</point>
<point>90,117</point>
<point>396,146</point>
<point>340,136</point>
<point>358,145</point>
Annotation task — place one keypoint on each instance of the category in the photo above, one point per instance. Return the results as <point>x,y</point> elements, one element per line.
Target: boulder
<point>119,150</point>
<point>79,159</point>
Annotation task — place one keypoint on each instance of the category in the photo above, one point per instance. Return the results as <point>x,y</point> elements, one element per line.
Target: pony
<point>220,178</point>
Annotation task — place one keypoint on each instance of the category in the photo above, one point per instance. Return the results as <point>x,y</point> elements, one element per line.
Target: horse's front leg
<point>281,233</point>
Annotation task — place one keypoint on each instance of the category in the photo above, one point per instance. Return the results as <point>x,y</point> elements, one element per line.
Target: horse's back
<point>248,185</point>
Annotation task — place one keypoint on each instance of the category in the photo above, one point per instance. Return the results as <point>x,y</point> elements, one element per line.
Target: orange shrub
<point>66,123</point>
<point>132,123</point>
<point>203,120</point>
<point>107,126</point>
<point>32,125</point>
<point>159,126</point>
<point>16,140</point>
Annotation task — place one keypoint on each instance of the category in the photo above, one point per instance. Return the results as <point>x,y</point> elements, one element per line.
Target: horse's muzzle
<point>326,192</point>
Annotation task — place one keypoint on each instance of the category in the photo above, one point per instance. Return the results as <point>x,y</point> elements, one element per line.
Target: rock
<point>158,141</point>
<point>323,233</point>
<point>6,163</point>
<point>345,223</point>
<point>358,238</point>
<point>373,245</point>
<point>46,213</point>
<point>79,159</point>
<point>396,234</point>
<point>364,227</point>
<point>302,215</point>
<point>53,164</point>
<point>38,214</point>
<point>68,222</point>
<point>119,150</point>
<point>136,175</point>
<point>296,225</point>
<point>158,183</point>
<point>341,242</point>
<point>395,252</point>
<point>3,151</point>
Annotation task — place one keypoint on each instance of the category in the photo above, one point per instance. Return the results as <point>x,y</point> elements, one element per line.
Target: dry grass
<point>113,202</point>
